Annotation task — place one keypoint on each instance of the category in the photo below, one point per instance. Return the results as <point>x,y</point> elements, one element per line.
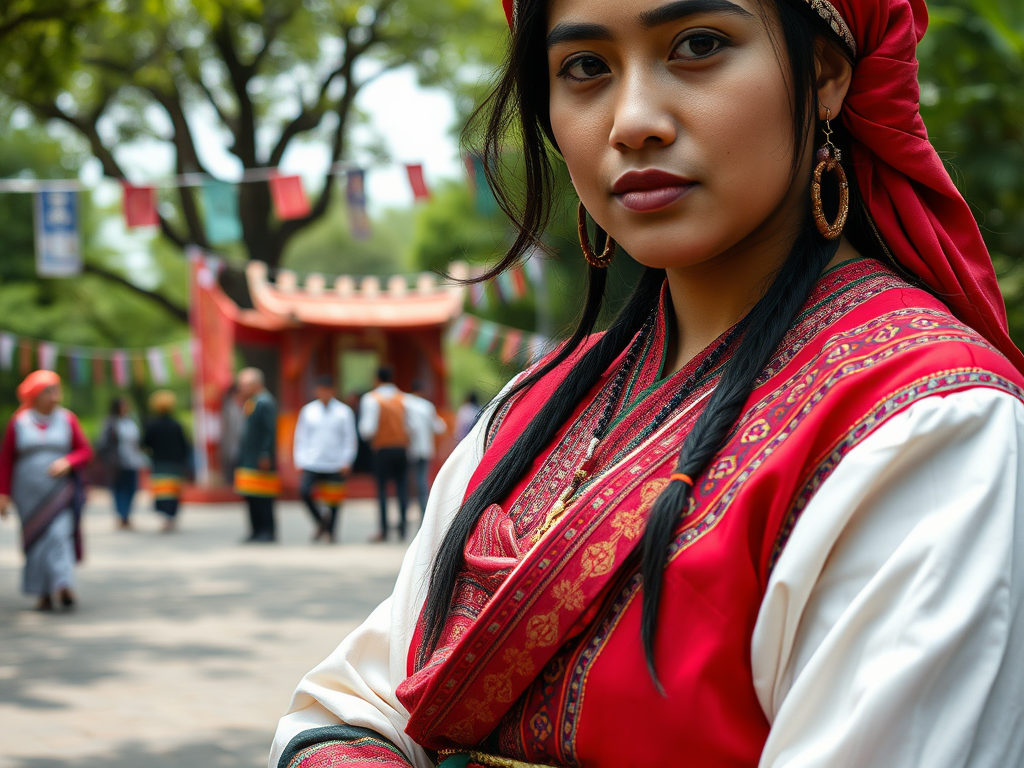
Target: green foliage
<point>329,247</point>
<point>972,100</point>
<point>271,71</point>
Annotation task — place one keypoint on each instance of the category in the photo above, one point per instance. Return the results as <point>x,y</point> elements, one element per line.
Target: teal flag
<point>485,202</point>
<point>220,201</point>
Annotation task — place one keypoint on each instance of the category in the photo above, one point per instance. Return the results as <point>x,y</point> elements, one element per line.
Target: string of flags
<point>97,365</point>
<point>58,233</point>
<point>511,345</point>
<point>508,287</point>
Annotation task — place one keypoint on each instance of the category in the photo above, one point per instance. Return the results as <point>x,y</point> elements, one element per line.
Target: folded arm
<point>892,630</point>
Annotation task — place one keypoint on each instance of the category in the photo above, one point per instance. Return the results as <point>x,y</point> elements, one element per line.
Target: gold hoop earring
<point>828,160</point>
<point>594,260</point>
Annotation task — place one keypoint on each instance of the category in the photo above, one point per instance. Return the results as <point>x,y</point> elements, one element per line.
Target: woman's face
<point>675,122</point>
<point>48,399</point>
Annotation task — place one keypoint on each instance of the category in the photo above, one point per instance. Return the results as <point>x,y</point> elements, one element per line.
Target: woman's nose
<point>641,117</point>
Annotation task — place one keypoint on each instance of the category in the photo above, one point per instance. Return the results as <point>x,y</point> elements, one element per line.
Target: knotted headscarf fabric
<point>920,214</point>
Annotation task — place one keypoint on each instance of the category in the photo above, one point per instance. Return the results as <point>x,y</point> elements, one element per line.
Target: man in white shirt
<point>324,449</point>
<point>424,424</point>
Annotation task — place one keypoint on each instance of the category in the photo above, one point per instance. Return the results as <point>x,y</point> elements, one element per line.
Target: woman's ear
<point>833,73</point>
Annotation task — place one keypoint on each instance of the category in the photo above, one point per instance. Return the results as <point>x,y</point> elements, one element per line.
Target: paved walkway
<point>186,647</point>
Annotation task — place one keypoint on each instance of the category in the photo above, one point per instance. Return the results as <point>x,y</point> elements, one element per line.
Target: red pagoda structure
<point>295,333</point>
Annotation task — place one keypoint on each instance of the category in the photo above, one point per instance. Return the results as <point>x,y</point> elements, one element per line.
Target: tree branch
<point>181,313</point>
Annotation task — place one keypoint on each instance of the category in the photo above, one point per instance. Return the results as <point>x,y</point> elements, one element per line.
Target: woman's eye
<point>698,46</point>
<point>585,67</point>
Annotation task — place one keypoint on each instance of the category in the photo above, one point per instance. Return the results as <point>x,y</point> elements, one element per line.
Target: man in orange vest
<point>383,423</point>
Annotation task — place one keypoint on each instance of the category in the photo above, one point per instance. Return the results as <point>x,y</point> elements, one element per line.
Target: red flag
<point>25,357</point>
<point>290,201</point>
<point>417,182</point>
<point>140,206</point>
<point>513,341</point>
<point>98,373</point>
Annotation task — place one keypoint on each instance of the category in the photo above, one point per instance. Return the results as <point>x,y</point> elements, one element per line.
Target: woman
<point>121,433</point>
<point>769,517</point>
<point>169,449</point>
<point>43,447</point>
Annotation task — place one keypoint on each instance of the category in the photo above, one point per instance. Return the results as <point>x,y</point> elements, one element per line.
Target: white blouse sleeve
<point>892,630</point>
<point>356,684</point>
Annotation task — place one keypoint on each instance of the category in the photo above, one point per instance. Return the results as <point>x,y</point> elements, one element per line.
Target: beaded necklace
<point>601,429</point>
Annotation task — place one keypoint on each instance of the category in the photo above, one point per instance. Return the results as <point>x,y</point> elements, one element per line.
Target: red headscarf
<point>33,386</point>
<point>923,219</point>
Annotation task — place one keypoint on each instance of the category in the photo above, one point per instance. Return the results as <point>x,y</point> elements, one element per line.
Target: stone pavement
<point>185,648</point>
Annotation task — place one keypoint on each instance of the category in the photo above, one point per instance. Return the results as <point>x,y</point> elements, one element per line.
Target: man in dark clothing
<point>256,477</point>
<point>383,423</point>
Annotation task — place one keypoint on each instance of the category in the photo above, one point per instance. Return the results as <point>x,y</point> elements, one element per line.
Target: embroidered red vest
<point>541,658</point>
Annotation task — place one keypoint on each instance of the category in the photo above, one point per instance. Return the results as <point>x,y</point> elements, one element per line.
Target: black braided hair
<point>500,481</point>
<point>518,107</point>
<point>766,324</point>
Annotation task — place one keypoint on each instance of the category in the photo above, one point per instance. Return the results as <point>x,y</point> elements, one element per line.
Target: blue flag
<point>58,243</point>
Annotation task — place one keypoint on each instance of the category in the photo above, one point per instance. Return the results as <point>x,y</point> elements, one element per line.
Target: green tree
<point>972,100</point>
<point>270,72</point>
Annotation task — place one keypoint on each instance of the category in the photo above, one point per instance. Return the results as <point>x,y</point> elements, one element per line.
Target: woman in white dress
<point>771,516</point>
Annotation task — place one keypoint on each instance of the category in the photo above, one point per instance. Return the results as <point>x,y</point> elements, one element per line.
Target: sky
<point>414,122</point>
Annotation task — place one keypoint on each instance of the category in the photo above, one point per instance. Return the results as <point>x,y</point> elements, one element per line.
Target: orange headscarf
<point>33,386</point>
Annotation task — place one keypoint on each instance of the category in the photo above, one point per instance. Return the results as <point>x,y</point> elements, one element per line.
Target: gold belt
<point>493,761</point>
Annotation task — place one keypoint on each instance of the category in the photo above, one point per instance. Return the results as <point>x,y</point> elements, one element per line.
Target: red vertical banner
<point>99,374</point>
<point>140,206</point>
<point>212,347</point>
<point>290,201</point>
<point>417,182</point>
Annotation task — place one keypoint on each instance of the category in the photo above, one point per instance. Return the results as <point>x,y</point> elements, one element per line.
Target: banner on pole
<point>220,201</point>
<point>355,196</point>
<point>58,244</point>
<point>290,201</point>
<point>140,206</point>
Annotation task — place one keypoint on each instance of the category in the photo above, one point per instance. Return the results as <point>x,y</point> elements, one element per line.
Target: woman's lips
<point>650,190</point>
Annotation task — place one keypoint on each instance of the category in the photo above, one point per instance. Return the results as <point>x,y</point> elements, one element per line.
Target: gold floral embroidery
<point>756,431</point>
<point>598,559</point>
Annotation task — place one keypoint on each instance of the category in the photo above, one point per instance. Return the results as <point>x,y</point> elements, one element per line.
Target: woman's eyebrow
<point>569,32</point>
<point>683,8</point>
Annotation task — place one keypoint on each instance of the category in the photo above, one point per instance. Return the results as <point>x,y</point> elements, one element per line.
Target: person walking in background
<point>124,461</point>
<point>424,425</point>
<point>466,416</point>
<point>324,448</point>
<point>256,477</point>
<point>169,451</point>
<point>232,421</point>
<point>382,423</point>
<point>42,449</point>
